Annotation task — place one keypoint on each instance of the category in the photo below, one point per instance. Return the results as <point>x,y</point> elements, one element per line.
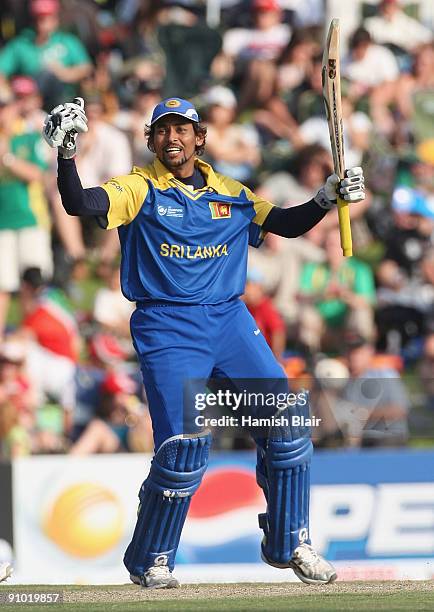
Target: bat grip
<point>345,227</point>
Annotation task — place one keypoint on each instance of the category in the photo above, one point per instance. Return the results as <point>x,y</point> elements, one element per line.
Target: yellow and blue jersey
<point>183,245</point>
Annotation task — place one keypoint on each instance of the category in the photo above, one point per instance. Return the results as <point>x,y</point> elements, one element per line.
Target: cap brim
<point>174,113</point>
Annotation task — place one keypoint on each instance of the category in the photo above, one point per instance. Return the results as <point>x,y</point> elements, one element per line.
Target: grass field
<point>249,597</point>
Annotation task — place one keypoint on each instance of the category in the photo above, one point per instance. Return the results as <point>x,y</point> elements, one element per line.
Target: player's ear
<point>200,140</point>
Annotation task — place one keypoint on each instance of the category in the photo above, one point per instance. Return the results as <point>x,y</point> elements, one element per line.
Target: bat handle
<point>345,227</point>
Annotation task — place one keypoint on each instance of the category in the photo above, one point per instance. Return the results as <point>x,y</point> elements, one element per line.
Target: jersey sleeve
<point>126,196</point>
<point>262,207</point>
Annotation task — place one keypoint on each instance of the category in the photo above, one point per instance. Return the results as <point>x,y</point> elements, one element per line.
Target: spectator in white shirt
<point>233,147</point>
<point>368,64</point>
<point>393,26</point>
<point>111,310</point>
<point>253,52</point>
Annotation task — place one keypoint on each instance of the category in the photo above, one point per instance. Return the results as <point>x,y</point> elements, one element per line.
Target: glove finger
<point>75,108</point>
<point>80,125</point>
<point>348,188</point>
<point>80,102</point>
<point>79,116</point>
<point>356,196</point>
<point>354,180</point>
<point>333,178</point>
<point>54,138</point>
<point>356,171</point>
<point>67,123</point>
<point>57,109</point>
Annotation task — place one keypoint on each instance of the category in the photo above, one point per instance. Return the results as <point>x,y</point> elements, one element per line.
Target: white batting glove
<point>350,189</point>
<point>63,124</point>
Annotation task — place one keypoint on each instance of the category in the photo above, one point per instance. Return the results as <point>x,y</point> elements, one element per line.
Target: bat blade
<point>331,82</point>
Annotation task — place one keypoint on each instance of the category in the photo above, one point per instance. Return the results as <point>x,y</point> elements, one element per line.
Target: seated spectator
<point>15,383</point>
<point>24,220</point>
<point>306,173</point>
<point>295,63</point>
<point>266,40</point>
<point>254,51</point>
<point>405,304</point>
<point>29,103</point>
<point>409,238</point>
<point>280,262</point>
<point>357,133</point>
<point>56,60</point>
<point>264,312</point>
<point>375,397</point>
<point>367,64</point>
<point>143,57</point>
<point>330,378</point>
<point>402,109</point>
<point>53,341</point>
<point>112,310</point>
<point>104,352</point>
<point>233,147</point>
<point>15,439</point>
<point>281,116</point>
<point>392,26</point>
<point>117,415</point>
<point>336,295</point>
<point>81,289</point>
<point>132,120</point>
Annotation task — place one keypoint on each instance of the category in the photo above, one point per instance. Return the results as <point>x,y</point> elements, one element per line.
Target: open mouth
<point>173,151</point>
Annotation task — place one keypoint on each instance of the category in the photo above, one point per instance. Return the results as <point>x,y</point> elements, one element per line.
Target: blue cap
<point>412,201</point>
<point>175,106</point>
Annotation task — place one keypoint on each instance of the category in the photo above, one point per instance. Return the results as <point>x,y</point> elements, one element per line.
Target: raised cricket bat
<point>331,84</point>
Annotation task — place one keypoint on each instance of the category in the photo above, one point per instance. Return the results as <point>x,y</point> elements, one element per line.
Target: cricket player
<point>184,232</point>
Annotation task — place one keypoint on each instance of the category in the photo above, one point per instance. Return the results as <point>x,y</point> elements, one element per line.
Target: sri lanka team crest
<point>220,210</point>
<point>173,103</point>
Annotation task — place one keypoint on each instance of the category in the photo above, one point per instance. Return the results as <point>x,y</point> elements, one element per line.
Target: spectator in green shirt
<point>56,60</point>
<point>25,238</point>
<point>338,294</point>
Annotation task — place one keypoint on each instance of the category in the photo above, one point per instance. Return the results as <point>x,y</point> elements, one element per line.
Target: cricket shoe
<point>156,577</point>
<point>308,566</point>
<point>6,570</point>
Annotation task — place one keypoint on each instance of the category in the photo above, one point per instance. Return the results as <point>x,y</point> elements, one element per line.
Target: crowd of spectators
<point>68,378</point>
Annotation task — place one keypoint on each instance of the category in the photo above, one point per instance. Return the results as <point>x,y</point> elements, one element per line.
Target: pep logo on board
<point>220,210</point>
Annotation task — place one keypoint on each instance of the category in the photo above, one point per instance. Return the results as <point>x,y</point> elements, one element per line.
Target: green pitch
<point>249,597</point>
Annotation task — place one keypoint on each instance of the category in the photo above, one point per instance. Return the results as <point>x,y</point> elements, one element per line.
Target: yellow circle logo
<point>173,103</point>
<point>85,520</point>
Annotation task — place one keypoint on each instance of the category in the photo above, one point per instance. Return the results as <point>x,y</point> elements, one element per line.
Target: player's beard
<point>171,163</point>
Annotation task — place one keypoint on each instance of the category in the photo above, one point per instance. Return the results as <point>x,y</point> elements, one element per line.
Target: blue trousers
<point>176,344</point>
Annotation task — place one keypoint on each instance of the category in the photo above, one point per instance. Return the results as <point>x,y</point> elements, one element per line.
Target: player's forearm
<point>295,221</point>
<point>76,200</point>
